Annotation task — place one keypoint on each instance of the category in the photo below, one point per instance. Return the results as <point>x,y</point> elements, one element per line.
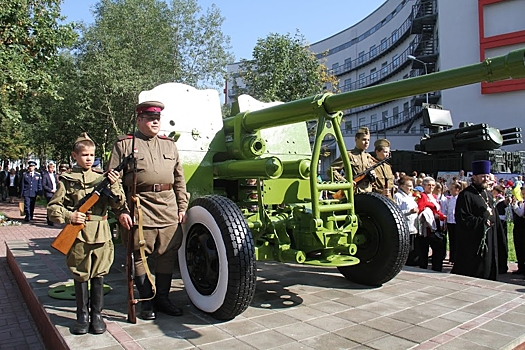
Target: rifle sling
<point>142,248</point>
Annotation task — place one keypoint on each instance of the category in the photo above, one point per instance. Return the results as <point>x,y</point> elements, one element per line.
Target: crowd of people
<point>29,183</point>
<point>467,216</point>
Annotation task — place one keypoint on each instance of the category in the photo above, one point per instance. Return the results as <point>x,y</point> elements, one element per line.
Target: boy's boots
<point>146,307</point>
<point>81,297</point>
<point>97,324</point>
<point>162,301</point>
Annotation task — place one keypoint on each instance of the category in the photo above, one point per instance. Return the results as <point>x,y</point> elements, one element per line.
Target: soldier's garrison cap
<point>150,107</point>
<point>83,137</point>
<point>362,131</point>
<point>380,143</point>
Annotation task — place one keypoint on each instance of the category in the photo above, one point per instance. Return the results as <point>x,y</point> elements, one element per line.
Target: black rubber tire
<point>387,241</point>
<point>217,257</point>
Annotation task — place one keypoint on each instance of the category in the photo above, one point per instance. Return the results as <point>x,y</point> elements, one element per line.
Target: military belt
<point>92,217</point>
<point>154,188</point>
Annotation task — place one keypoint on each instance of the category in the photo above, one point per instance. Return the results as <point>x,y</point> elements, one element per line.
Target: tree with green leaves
<point>135,45</point>
<point>31,37</point>
<point>283,69</point>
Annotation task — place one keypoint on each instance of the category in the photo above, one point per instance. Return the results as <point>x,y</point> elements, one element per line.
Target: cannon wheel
<point>217,258</point>
<point>384,249</point>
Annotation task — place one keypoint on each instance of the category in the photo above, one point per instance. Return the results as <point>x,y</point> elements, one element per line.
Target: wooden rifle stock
<point>67,236</point>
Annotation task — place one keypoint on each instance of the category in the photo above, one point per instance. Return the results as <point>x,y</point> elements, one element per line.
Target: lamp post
<point>413,58</point>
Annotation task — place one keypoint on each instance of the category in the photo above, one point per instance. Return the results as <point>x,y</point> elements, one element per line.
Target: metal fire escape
<point>424,19</point>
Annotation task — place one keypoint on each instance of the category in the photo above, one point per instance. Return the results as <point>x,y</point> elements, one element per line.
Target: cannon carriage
<point>255,193</point>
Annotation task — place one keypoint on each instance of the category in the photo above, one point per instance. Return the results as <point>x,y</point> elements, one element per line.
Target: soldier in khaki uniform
<point>384,183</point>
<point>91,255</point>
<point>359,159</point>
<point>161,189</point>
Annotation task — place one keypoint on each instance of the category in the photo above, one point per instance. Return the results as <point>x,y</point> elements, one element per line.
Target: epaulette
<point>125,137</point>
<point>68,177</point>
<point>163,137</point>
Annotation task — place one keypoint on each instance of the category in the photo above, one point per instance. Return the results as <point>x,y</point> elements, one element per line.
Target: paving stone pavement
<point>295,307</point>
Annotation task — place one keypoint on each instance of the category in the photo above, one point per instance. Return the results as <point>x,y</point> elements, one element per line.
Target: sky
<point>248,20</point>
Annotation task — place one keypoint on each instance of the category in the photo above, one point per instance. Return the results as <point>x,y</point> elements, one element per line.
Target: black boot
<point>146,307</point>
<point>81,297</point>
<point>162,300</point>
<point>97,324</point>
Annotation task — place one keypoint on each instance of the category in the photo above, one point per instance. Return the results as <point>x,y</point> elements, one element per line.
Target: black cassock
<point>476,242</point>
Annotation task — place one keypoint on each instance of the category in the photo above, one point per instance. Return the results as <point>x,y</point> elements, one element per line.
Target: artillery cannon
<point>255,193</point>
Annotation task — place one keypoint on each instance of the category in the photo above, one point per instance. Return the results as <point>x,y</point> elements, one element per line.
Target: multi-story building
<point>407,38</point>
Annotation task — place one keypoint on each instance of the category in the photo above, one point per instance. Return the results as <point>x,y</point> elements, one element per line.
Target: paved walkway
<point>295,307</point>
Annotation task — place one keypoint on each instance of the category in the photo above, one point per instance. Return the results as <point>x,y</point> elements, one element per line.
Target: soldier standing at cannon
<point>384,183</point>
<point>161,189</point>
<point>360,160</point>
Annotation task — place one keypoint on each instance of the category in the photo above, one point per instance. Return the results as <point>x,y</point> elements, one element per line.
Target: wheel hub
<point>202,259</point>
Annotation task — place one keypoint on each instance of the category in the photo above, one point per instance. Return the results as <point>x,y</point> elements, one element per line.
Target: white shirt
<point>519,209</point>
<point>449,207</point>
<point>406,203</point>
<point>53,180</point>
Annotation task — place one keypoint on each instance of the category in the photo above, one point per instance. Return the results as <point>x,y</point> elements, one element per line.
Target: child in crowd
<point>91,255</point>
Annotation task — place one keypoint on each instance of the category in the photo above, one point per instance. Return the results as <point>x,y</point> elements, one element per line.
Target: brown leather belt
<point>154,188</point>
<point>92,217</point>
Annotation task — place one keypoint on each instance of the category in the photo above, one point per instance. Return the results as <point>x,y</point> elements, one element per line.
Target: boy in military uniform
<point>360,161</point>
<point>161,189</point>
<point>91,255</point>
<point>384,182</point>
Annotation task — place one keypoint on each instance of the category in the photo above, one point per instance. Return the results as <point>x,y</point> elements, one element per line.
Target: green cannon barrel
<point>266,168</point>
<point>511,65</point>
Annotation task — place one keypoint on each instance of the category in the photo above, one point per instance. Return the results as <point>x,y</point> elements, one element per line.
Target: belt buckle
<point>157,188</point>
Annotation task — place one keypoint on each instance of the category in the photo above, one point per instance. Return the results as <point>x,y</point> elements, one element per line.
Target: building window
<point>384,69</point>
<point>395,61</point>
<point>395,113</point>
<point>394,36</point>
<point>348,84</point>
<point>384,42</point>
<point>335,68</point>
<point>405,109</point>
<point>348,126</point>
<point>373,51</point>
<point>361,57</point>
<point>348,63</point>
<point>362,79</point>
<point>362,121</point>
<point>373,74</point>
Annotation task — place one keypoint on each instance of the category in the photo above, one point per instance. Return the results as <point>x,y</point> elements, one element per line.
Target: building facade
<point>408,38</point>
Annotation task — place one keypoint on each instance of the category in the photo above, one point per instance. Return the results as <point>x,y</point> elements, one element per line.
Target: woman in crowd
<point>408,205</point>
<point>430,230</point>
